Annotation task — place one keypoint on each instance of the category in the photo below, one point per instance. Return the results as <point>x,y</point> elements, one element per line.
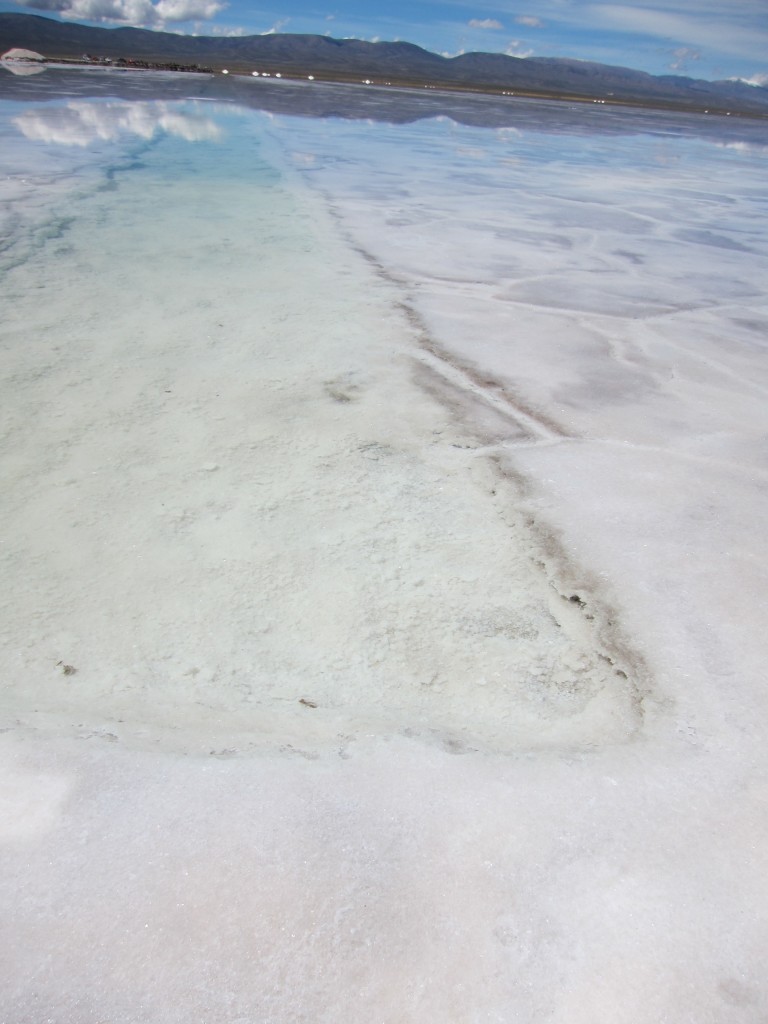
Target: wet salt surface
<point>289,529</point>
<point>243,443</point>
<point>612,294</point>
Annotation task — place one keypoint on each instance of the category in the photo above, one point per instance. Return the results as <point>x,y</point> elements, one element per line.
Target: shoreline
<point>277,72</point>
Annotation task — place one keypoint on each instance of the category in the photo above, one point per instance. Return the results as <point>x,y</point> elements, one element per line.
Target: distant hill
<point>401,63</point>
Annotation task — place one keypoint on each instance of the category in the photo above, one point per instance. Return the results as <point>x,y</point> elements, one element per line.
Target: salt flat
<point>382,627</point>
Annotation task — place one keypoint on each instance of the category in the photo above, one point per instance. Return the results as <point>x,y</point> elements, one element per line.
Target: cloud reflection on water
<point>81,123</point>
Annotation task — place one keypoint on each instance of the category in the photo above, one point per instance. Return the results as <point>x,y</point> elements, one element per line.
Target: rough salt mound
<point>16,53</point>
<point>22,62</point>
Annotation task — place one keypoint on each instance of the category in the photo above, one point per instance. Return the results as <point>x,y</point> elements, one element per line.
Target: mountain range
<point>401,63</point>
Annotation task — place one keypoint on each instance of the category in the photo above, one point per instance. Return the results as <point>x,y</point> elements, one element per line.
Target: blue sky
<point>701,38</point>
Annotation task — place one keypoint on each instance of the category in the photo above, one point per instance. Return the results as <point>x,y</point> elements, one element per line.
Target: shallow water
<point>344,433</point>
<point>235,487</point>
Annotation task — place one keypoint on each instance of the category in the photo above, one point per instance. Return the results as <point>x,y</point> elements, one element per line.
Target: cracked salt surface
<point>287,530</point>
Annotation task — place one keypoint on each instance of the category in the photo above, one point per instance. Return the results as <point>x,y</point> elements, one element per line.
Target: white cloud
<point>277,27</point>
<point>187,10</point>
<point>81,123</point>
<point>758,79</point>
<point>515,48</point>
<point>485,23</point>
<point>701,24</point>
<point>221,30</point>
<point>684,55</point>
<point>530,21</point>
<point>744,147</point>
<point>143,13</point>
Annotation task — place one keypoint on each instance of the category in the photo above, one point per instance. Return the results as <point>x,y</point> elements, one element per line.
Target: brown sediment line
<point>494,389</point>
<point>579,589</point>
<point>463,388</point>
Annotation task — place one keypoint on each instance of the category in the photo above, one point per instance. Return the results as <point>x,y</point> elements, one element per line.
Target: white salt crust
<point>368,650</point>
